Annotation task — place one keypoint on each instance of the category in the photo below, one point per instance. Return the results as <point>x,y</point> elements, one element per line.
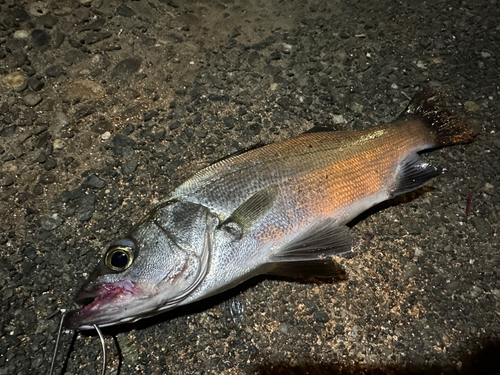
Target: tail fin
<point>449,129</point>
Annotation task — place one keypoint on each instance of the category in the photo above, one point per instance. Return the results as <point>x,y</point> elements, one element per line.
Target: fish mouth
<point>104,305</point>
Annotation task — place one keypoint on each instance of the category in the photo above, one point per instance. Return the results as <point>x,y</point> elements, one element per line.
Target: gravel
<point>107,106</point>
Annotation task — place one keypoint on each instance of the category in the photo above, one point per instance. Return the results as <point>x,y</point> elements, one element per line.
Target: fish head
<point>163,259</point>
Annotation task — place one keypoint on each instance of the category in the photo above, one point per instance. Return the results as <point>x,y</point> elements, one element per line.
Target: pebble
<point>50,164</point>
<point>42,157</point>
<point>35,84</point>
<point>228,121</point>
<point>47,179</point>
<point>126,68</point>
<point>86,207</point>
<point>9,166</point>
<point>32,99</point>
<point>6,180</point>
<point>59,121</point>
<point>38,8</point>
<point>13,80</point>
<point>47,20</point>
<point>125,11</point>
<point>15,60</point>
<point>40,38</point>
<point>85,89</point>
<point>123,145</point>
<point>103,127</point>
<point>51,222</point>
<point>19,14</point>
<point>338,119</point>
<point>105,136</point>
<point>129,167</point>
<point>21,34</point>
<point>54,71</point>
<point>58,144</point>
<point>471,106</point>
<point>93,182</point>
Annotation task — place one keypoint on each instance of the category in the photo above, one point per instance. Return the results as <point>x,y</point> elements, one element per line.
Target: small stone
<point>40,38</point>
<point>253,58</point>
<point>123,145</point>
<point>421,65</point>
<point>19,14</point>
<point>38,8</point>
<point>475,291</point>
<point>51,222</point>
<point>321,317</point>
<point>471,106</point>
<point>485,54</point>
<point>50,164</point>
<point>129,167</point>
<point>126,68</point>
<point>47,20</point>
<point>35,83</point>
<point>9,166</point>
<point>202,133</point>
<point>6,180</point>
<point>86,207</point>
<point>105,136</point>
<point>32,99</point>
<point>94,37</point>
<point>228,121</point>
<point>93,182</point>
<point>21,34</point>
<point>13,80</point>
<point>338,119</point>
<point>174,125</point>
<point>58,144</point>
<point>47,179</point>
<point>15,60</point>
<point>85,89</point>
<point>125,11</point>
<point>54,71</point>
<point>42,157</point>
<point>356,107</point>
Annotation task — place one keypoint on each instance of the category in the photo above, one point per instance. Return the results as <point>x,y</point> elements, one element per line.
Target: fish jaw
<point>113,303</point>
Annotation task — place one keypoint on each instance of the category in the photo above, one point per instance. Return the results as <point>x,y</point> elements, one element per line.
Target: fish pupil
<point>119,259</point>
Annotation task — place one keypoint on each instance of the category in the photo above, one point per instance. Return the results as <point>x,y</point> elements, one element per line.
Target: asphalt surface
<point>106,106</point>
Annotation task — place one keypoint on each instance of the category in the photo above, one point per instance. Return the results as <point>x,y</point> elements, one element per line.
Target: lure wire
<point>63,315</point>
<point>96,327</point>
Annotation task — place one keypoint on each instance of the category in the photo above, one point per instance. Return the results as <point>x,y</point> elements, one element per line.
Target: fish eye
<point>119,258</point>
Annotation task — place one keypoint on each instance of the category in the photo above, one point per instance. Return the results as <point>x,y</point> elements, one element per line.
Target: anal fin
<point>310,253</point>
<point>413,173</point>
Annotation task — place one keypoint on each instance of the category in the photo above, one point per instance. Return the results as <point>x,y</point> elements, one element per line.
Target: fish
<point>280,209</point>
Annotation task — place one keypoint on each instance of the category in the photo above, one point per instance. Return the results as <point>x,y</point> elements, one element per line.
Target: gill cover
<point>162,260</point>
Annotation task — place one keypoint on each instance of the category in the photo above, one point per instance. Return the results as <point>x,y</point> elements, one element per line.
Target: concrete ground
<point>106,106</point>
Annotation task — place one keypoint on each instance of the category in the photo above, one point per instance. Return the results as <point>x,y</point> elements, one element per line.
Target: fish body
<point>271,210</point>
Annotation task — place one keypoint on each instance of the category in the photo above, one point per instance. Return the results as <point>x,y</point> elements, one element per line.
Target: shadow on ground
<point>482,360</point>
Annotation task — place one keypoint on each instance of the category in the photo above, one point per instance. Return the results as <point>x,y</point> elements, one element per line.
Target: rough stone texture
<point>176,85</point>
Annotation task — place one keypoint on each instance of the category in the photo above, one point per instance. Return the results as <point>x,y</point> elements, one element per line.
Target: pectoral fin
<point>250,212</point>
<point>309,254</point>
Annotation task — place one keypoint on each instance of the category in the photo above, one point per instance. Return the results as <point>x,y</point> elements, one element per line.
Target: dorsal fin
<point>240,152</point>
